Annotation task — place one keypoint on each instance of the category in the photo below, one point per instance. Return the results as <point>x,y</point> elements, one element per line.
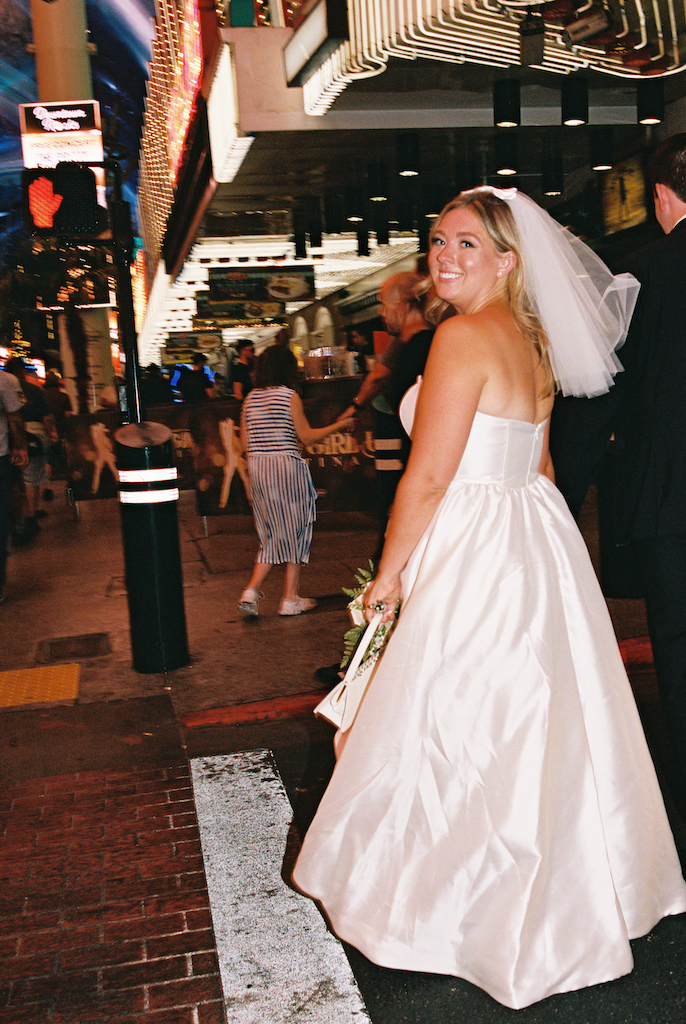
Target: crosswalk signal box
<point>61,201</point>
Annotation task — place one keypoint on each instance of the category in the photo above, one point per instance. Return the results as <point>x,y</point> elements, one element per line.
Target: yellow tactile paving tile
<point>49,684</point>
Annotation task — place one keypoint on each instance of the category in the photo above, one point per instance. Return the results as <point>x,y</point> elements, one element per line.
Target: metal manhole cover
<point>69,648</point>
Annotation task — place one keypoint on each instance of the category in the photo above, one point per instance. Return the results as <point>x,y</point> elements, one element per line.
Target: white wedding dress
<point>495,813</point>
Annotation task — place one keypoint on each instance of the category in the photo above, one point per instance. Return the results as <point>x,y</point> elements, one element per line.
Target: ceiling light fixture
<point>377,183</point>
<point>574,101</point>
<point>553,175</point>
<point>354,205</point>
<point>407,150</point>
<point>506,153</point>
<point>650,101</point>
<point>433,200</point>
<point>506,103</point>
<point>601,149</point>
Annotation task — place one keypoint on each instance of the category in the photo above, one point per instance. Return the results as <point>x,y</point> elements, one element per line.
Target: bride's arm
<point>454,379</point>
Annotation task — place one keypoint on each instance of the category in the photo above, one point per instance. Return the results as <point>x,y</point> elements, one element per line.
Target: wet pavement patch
<point>88,737</point>
<point>68,648</point>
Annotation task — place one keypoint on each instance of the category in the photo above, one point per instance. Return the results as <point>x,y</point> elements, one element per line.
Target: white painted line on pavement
<point>278,963</point>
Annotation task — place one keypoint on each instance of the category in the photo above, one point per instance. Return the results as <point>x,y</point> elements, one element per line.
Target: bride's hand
<point>382,594</point>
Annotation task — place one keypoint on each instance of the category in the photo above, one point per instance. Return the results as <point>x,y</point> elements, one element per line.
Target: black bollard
<point>148,497</point>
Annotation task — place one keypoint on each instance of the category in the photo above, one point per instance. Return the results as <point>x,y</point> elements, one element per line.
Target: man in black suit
<point>646,409</point>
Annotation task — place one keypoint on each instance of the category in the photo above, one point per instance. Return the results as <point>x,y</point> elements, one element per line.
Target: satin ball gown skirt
<point>495,813</point>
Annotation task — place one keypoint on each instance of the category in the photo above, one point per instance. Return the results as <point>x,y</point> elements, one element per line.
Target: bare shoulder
<point>462,336</point>
<point>468,340</point>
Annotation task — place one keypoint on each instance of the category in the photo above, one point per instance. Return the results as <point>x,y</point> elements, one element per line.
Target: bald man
<point>394,372</point>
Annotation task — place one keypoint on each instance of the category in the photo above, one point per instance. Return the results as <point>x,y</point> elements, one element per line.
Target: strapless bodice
<point>499,451</point>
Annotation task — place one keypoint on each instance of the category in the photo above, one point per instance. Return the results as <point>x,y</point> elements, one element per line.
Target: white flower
<point>356,611</point>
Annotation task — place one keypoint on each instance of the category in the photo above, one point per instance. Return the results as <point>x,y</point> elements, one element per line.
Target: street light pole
<point>122,244</point>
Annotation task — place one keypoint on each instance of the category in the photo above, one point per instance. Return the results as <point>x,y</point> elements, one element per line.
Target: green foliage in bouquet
<point>363,577</point>
<point>354,634</point>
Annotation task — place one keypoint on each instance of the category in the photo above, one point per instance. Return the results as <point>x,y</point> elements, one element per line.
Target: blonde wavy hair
<point>499,223</point>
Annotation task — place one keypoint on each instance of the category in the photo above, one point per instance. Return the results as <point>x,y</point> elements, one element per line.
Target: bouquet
<point>356,610</point>
<point>364,644</point>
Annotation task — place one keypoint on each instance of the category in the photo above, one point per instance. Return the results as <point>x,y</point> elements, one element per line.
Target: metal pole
<point>122,251</point>
<point>148,496</point>
<point>60,46</point>
<point>122,238</point>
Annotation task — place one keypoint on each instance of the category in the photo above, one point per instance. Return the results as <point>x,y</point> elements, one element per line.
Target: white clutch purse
<point>340,705</point>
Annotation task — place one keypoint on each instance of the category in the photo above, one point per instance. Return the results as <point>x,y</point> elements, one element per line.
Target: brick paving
<point>104,911</point>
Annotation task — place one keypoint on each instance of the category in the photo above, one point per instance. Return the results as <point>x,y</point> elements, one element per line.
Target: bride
<point>495,814</point>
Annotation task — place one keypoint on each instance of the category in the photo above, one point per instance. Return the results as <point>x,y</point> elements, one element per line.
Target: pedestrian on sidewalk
<point>242,369</point>
<point>194,383</point>
<point>273,421</point>
<point>16,453</point>
<point>39,424</point>
<point>60,406</point>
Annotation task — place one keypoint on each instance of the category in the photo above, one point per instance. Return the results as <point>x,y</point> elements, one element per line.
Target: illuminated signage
<point>55,132</point>
<point>253,294</point>
<point>185,79</point>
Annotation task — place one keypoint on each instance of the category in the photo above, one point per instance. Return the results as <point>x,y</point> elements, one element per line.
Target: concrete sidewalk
<point>70,582</point>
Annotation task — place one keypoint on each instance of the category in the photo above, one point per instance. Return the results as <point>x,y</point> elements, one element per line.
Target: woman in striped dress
<point>273,421</point>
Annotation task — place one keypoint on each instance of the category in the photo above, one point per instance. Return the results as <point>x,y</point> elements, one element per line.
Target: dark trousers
<point>5,491</point>
<point>662,566</point>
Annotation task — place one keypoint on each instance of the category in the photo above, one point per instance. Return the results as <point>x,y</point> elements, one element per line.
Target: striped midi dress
<point>283,494</point>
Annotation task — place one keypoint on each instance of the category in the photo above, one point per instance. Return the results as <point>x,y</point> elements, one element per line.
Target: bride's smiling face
<point>466,268</point>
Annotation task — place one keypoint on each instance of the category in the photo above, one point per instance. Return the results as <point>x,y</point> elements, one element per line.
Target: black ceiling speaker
<point>531,40</point>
